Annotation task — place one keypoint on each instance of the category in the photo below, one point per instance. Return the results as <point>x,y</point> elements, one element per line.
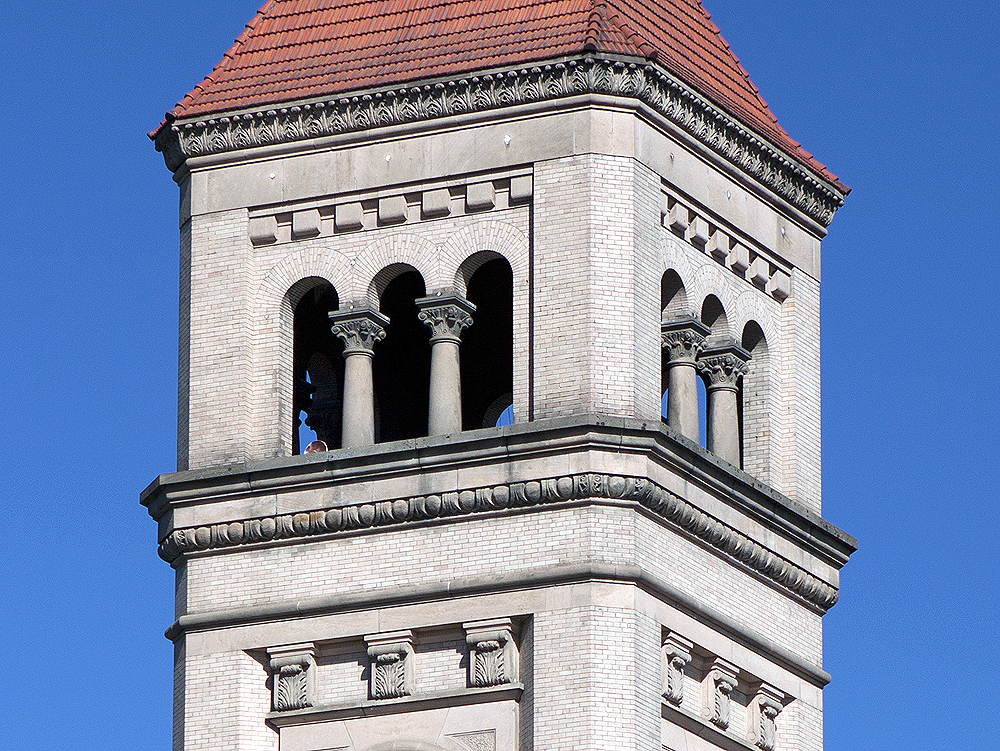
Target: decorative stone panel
<point>765,706</point>
<point>722,679</point>
<point>293,668</point>
<point>676,654</point>
<point>493,659</point>
<point>390,665</point>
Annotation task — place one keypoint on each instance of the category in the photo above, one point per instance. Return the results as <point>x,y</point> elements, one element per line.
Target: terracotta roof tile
<point>296,49</point>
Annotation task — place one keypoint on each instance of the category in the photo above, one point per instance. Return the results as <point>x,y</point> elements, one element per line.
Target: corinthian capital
<point>358,329</point>
<point>446,315</point>
<point>723,365</point>
<point>683,338</point>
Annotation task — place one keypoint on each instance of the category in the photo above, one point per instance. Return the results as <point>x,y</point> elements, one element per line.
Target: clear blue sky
<point>900,100</point>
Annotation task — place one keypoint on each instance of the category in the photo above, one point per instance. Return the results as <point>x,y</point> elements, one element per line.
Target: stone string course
<point>514,495</point>
<point>588,75</point>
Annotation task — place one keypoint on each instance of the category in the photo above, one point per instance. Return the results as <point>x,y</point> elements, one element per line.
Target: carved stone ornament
<point>765,707</point>
<point>676,655</point>
<point>639,80</point>
<point>391,665</point>
<point>480,740</point>
<point>292,671</point>
<point>683,339</point>
<point>721,682</point>
<point>649,495</point>
<point>724,365</point>
<point>492,652</point>
<point>447,316</point>
<point>358,329</point>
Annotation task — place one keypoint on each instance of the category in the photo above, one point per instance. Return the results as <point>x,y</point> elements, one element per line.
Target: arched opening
<point>673,297</point>
<point>754,402</point>
<point>487,350</point>
<point>673,304</point>
<point>318,370</point>
<point>402,363</point>
<point>713,315</point>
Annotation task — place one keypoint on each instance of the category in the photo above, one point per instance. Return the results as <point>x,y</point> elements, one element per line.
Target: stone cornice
<point>588,75</point>
<point>515,495</point>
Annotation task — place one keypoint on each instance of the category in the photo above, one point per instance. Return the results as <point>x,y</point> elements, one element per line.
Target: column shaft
<point>722,426</point>
<point>445,409</point>
<point>359,330</point>
<point>682,399</point>
<point>447,316</point>
<point>359,400</point>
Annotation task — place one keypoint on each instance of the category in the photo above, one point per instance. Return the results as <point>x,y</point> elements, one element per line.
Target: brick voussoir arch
<point>460,255</point>
<point>280,290</point>
<point>401,250</point>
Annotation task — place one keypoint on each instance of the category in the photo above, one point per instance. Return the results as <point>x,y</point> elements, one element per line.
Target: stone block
<point>305,224</point>
<point>520,189</point>
<point>677,219</point>
<point>698,232</point>
<point>435,203</point>
<point>348,216</point>
<point>263,230</point>
<point>760,271</point>
<point>718,246</point>
<point>480,197</point>
<point>392,210</point>
<point>779,286</point>
<point>739,259</point>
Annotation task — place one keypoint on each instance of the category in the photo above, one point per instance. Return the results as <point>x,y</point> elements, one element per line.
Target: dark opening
<point>402,365</point>
<point>318,365</point>
<point>487,350</point>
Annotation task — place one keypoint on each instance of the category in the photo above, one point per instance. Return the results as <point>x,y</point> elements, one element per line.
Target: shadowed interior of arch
<point>402,364</point>
<point>318,371</point>
<point>487,350</point>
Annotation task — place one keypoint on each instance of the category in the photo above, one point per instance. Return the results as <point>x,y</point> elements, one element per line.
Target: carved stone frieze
<point>724,365</point>
<point>639,80</point>
<point>647,494</point>
<point>447,316</point>
<point>358,329</point>
<point>292,671</point>
<point>676,654</point>
<point>480,740</point>
<point>765,707</point>
<point>492,652</point>
<point>721,681</point>
<point>683,338</point>
<point>391,665</point>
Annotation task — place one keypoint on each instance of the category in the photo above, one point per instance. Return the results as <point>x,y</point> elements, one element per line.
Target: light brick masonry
<point>541,625</point>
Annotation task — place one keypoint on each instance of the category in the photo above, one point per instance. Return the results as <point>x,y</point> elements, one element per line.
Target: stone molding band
<point>508,581</point>
<point>640,80</point>
<point>514,495</point>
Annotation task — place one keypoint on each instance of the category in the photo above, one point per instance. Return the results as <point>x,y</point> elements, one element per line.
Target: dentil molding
<point>584,486</point>
<point>640,80</point>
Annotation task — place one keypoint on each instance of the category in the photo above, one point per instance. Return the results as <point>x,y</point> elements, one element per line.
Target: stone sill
<point>704,729</point>
<point>506,444</point>
<point>375,707</point>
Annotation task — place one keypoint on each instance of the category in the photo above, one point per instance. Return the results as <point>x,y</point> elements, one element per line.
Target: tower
<point>486,256</point>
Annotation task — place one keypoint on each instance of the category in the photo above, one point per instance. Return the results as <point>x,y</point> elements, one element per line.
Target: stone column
<point>359,330</point>
<point>722,367</point>
<point>683,339</point>
<point>447,316</point>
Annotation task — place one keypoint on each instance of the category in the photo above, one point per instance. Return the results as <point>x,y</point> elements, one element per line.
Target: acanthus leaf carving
<point>765,707</point>
<point>492,652</point>
<point>390,665</point>
<point>292,669</point>
<point>676,656</point>
<point>721,683</point>
<point>587,75</point>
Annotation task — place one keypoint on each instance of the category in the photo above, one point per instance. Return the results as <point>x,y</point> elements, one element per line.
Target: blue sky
<point>901,101</point>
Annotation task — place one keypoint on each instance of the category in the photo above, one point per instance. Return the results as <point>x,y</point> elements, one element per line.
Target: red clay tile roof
<point>300,49</point>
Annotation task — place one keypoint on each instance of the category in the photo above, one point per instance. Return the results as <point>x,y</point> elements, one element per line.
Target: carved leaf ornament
<point>588,75</point>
